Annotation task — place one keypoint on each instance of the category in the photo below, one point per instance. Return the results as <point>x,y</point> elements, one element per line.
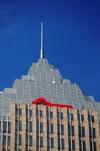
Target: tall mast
<point>42,55</point>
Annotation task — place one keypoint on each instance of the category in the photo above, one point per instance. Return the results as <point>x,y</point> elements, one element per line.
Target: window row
<point>50,115</point>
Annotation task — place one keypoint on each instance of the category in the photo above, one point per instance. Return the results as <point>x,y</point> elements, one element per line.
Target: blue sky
<point>71,40</point>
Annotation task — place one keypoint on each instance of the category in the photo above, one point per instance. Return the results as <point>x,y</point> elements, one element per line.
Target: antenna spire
<point>42,55</point>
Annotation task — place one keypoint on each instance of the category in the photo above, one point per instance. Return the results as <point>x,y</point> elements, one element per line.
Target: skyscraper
<point>44,112</point>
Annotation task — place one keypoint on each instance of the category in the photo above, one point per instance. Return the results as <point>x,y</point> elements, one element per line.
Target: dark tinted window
<point>28,126</point>
<point>93,132</point>
<point>62,129</point>
<point>94,146</point>
<point>69,144</point>
<point>59,115</point>
<point>91,118</point>
<point>17,139</point>
<point>70,130</point>
<point>90,132</point>
<point>41,141</point>
<point>80,145</point>
<point>20,126</point>
<point>48,128</point>
<point>49,114</point>
<point>83,132</point>
<point>70,116</point>
<point>80,118</point>
<point>39,113</point>
<point>90,146</point>
<point>62,143</point>
<point>41,127</point>
<point>8,127</point>
<point>30,140</point>
<point>30,112</point>
<point>4,127</point>
<point>8,140</point>
<point>48,142</point>
<point>4,140</point>
<point>16,111</point>
<point>20,111</point>
<point>73,145</point>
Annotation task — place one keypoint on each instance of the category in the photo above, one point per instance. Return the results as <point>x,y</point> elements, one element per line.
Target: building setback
<point>43,112</point>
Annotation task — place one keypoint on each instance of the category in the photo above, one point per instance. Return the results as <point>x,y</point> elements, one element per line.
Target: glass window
<point>94,146</point>
<point>8,140</point>
<point>83,145</point>
<point>17,139</point>
<point>82,117</point>
<point>90,146</point>
<point>26,126</point>
<point>48,128</point>
<point>30,112</point>
<point>93,132</point>
<point>70,116</point>
<point>62,129</point>
<point>30,126</point>
<point>70,130</point>
<point>51,114</point>
<point>73,144</point>
<point>59,115</point>
<point>20,111</point>
<point>69,144</point>
<point>30,140</point>
<point>61,143</point>
<point>80,145</point>
<point>16,125</point>
<point>93,119</point>
<point>48,142</point>
<point>26,112</point>
<point>4,127</point>
<point>83,132</point>
<point>90,132</point>
<point>38,114</point>
<point>8,127</point>
<point>41,127</point>
<point>16,111</point>
<point>4,140</point>
<point>41,141</point>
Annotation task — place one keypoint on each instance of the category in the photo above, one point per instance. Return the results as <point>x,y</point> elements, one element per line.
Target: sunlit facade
<point>51,124</point>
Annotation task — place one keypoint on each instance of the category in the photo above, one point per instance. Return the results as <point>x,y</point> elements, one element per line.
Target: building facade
<point>43,112</point>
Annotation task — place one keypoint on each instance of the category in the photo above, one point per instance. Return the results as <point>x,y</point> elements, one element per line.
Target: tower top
<point>42,55</point>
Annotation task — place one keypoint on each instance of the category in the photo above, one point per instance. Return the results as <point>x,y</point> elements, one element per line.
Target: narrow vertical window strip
<point>28,126</point>
<point>50,126</point>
